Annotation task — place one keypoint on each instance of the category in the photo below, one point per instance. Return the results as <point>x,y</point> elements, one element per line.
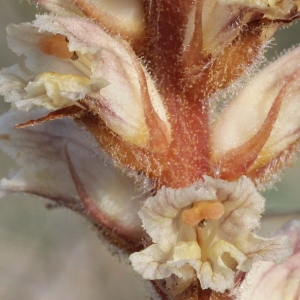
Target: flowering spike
<point>162,162</point>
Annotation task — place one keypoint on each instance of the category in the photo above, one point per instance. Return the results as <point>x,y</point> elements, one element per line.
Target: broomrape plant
<point>151,119</point>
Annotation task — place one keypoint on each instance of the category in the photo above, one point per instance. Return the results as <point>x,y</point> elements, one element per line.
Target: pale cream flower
<point>83,62</point>
<point>207,230</point>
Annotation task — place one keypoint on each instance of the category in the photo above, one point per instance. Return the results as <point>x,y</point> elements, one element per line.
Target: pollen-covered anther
<point>202,210</point>
<point>56,45</point>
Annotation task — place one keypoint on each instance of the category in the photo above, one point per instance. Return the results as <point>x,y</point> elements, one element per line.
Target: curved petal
<point>223,21</point>
<point>44,170</point>
<point>271,96</point>
<point>218,247</point>
<point>104,71</point>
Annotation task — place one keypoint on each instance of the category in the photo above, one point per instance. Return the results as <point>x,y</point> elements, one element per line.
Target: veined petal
<point>117,16</point>
<point>271,96</point>
<point>112,79</point>
<point>216,40</point>
<point>221,24</point>
<point>221,243</point>
<point>44,170</point>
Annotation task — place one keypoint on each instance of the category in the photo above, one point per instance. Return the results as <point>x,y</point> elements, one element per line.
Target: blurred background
<point>54,254</point>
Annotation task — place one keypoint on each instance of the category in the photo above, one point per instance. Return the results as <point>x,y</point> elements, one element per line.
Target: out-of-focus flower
<point>41,153</point>
<point>278,282</point>
<point>207,230</point>
<point>147,96</point>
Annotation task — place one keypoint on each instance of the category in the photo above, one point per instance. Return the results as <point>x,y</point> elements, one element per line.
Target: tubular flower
<point>148,102</point>
<point>94,61</point>
<point>205,230</point>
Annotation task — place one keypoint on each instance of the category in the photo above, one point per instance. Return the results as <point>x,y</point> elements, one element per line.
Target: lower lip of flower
<point>202,210</point>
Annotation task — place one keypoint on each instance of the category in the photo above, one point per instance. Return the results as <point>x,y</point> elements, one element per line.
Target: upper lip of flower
<point>264,105</point>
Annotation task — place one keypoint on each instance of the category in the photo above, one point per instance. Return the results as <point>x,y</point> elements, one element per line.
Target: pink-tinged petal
<point>218,23</point>
<point>218,248</point>
<point>124,18</point>
<point>261,121</point>
<point>40,152</point>
<point>277,282</point>
<point>111,77</point>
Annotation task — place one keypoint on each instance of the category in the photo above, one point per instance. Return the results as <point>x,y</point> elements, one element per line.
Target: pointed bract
<point>269,107</point>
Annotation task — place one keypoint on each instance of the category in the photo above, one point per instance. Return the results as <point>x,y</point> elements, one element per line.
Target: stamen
<point>83,63</point>
<point>202,210</point>
<point>56,45</point>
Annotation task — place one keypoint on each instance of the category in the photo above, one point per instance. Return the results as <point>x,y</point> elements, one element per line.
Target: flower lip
<point>214,250</point>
